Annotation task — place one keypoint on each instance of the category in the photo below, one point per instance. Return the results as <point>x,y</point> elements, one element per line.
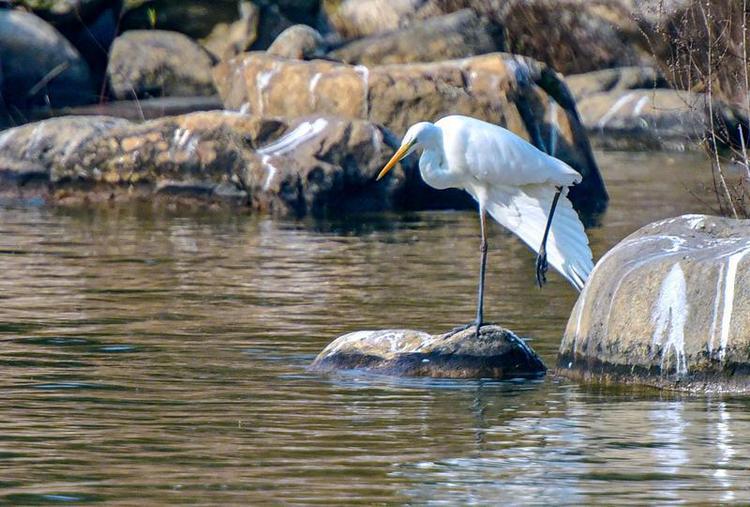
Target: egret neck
<point>432,164</point>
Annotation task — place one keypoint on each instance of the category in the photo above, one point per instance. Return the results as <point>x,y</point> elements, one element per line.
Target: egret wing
<point>524,212</point>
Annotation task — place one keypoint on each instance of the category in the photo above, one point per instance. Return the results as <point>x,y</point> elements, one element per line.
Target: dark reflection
<point>162,356</point>
<point>478,408</point>
<point>360,224</point>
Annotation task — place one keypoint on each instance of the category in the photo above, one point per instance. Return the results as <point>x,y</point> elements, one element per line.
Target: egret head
<point>419,134</point>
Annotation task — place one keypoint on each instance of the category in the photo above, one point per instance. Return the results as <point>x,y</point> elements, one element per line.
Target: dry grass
<point>704,48</point>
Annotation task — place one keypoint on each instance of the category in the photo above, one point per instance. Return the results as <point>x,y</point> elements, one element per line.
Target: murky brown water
<point>160,359</point>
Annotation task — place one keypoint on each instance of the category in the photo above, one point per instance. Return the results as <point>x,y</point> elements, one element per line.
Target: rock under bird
<point>520,186</point>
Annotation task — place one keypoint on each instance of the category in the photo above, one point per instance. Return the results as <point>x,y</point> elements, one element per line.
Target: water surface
<point>161,358</point>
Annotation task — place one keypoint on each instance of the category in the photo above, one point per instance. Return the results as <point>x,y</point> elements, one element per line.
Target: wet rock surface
<point>300,166</point>
<point>669,306</point>
<point>457,35</point>
<point>156,63</point>
<point>520,94</point>
<point>496,353</point>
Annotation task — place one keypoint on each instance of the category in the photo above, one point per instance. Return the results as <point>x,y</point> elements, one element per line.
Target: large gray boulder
<point>518,93</point>
<point>158,63</point>
<point>90,25</point>
<point>496,353</point>
<point>457,35</point>
<point>300,166</point>
<point>38,66</point>
<point>669,306</point>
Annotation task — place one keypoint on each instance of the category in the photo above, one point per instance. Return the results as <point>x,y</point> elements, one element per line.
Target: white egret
<point>517,184</point>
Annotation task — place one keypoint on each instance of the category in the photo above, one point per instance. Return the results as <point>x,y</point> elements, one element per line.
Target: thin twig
<point>710,98</point>
<point>48,77</point>
<point>744,153</point>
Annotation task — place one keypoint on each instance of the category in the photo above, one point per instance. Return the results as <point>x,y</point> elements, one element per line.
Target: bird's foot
<point>541,267</point>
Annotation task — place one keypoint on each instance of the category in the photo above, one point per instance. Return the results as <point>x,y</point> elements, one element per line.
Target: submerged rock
<point>668,306</point>
<point>457,35</point>
<point>518,93</point>
<point>495,353</point>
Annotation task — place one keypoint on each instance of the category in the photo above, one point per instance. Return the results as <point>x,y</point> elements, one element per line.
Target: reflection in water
<point>723,436</point>
<point>162,359</point>
<point>668,433</point>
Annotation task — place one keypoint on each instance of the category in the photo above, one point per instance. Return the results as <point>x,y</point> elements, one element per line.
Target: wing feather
<point>494,155</point>
<point>524,212</point>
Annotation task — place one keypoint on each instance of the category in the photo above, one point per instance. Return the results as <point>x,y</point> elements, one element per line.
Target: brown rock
<point>155,63</point>
<point>520,94</point>
<point>320,164</point>
<point>668,306</point>
<point>299,42</point>
<point>572,36</point>
<point>361,18</point>
<point>303,166</point>
<point>457,35</point>
<point>55,141</point>
<point>495,353</point>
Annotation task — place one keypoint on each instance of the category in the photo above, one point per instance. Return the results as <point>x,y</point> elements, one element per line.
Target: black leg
<point>482,267</point>
<point>541,259</point>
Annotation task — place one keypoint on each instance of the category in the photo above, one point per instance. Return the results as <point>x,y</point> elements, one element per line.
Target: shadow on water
<point>161,358</point>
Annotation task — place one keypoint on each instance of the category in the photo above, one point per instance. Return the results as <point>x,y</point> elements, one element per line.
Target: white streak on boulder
<point>669,316</point>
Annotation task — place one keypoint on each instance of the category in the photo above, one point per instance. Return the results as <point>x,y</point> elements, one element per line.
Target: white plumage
<point>512,180</point>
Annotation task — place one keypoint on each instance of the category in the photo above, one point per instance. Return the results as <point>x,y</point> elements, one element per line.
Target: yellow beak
<point>401,153</point>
